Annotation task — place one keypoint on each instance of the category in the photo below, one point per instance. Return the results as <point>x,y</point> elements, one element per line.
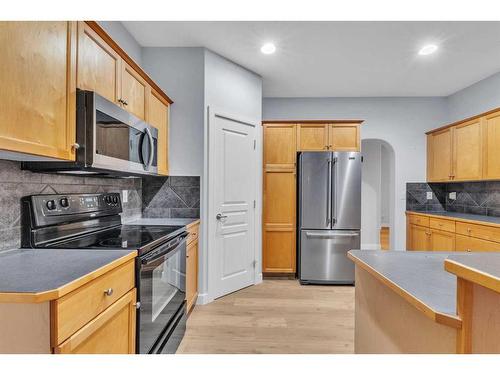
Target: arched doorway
<point>377,194</point>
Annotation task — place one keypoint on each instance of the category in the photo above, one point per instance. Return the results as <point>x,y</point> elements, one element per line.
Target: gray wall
<point>475,99</point>
<point>15,183</point>
<point>125,40</point>
<point>180,72</point>
<point>401,122</point>
<point>236,91</point>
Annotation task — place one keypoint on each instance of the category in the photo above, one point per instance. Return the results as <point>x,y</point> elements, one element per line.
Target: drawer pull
<point>108,292</point>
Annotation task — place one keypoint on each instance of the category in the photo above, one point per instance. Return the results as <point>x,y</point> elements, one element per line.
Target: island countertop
<point>417,276</point>
<point>38,275</point>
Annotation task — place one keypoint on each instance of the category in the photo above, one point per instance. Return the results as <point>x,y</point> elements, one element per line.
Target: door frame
<point>211,266</point>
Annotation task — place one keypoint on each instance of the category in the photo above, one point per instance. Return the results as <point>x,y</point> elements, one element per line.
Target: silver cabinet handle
<point>108,292</point>
<point>75,146</point>
<point>220,216</point>
<point>332,235</point>
<point>329,194</point>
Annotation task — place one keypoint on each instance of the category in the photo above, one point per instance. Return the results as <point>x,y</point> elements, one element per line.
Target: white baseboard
<point>203,299</point>
<point>258,279</point>
<point>370,246</point>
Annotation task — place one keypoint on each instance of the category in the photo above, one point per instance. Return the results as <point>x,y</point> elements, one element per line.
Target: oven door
<point>162,291</point>
<point>121,141</point>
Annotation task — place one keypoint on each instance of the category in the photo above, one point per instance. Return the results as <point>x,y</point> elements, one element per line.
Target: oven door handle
<point>149,258</point>
<point>151,150</point>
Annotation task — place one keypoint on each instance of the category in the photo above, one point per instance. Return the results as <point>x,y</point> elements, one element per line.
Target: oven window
<point>166,284</point>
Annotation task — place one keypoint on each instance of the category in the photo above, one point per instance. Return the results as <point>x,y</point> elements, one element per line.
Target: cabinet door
<point>312,137</point>
<point>344,137</point>
<point>491,149</point>
<point>158,117</point>
<point>439,155</point>
<point>99,66</point>
<point>442,241</point>
<point>135,91</point>
<point>111,332</point>
<point>465,243</point>
<point>191,274</point>
<point>279,145</point>
<point>38,88</point>
<point>279,221</point>
<point>419,238</point>
<point>467,151</point>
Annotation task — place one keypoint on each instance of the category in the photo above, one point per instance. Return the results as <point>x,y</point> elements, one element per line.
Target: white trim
<point>257,278</point>
<point>203,299</point>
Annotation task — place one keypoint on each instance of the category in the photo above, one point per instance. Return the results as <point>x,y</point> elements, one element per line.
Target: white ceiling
<point>321,59</point>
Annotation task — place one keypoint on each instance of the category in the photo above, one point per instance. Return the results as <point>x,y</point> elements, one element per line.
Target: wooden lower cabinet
<point>465,243</point>
<point>192,264</point>
<point>280,254</point>
<point>111,332</point>
<point>441,240</point>
<point>444,234</point>
<point>191,274</point>
<point>419,238</point>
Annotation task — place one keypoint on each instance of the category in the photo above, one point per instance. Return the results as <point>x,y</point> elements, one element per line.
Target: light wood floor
<point>277,316</point>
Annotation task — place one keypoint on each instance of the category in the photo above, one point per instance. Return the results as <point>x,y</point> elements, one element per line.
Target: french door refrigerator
<point>329,215</point>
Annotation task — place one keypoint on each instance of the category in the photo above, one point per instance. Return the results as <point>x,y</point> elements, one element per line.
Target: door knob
<point>220,217</point>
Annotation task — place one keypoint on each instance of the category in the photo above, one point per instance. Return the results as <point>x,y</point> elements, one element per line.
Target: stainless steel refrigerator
<point>329,216</point>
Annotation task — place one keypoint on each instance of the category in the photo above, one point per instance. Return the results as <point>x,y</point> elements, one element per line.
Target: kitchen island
<point>426,302</point>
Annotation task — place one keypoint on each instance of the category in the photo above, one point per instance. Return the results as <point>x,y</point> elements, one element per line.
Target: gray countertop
<point>484,263</point>
<point>419,273</point>
<point>458,215</point>
<point>161,221</point>
<point>41,270</point>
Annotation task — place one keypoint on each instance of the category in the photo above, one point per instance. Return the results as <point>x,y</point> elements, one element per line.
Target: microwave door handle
<point>151,149</point>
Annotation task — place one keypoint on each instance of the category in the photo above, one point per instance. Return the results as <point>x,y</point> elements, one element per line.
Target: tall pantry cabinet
<point>282,141</point>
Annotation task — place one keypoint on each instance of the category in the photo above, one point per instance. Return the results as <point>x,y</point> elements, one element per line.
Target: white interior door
<point>232,170</point>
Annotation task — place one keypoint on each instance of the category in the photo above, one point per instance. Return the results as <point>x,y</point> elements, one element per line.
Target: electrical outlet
<point>452,195</point>
<point>124,196</point>
<point>429,195</point>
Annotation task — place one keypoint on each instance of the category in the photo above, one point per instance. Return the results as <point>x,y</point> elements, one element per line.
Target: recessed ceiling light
<point>268,48</point>
<point>428,49</point>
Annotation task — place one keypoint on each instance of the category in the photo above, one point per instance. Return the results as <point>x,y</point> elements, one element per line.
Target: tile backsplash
<point>16,183</point>
<point>173,197</point>
<point>480,198</point>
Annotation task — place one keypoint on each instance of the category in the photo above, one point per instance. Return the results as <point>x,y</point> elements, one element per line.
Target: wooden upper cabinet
<point>440,155</point>
<point>467,151</point>
<point>99,66</point>
<point>344,137</point>
<point>38,93</point>
<point>312,137</point>
<point>491,146</point>
<point>135,92</point>
<point>280,145</point>
<point>157,115</point>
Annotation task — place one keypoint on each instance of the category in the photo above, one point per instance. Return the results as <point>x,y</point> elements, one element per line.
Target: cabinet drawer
<point>74,310</point>
<point>193,233</point>
<point>479,231</point>
<point>419,220</point>
<point>465,243</point>
<point>442,224</point>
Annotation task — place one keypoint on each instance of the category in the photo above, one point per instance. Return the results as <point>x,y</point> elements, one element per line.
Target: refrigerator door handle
<point>329,194</point>
<point>334,192</point>
<point>332,235</point>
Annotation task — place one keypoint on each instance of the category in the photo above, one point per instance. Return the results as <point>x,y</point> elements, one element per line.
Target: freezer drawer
<point>323,256</point>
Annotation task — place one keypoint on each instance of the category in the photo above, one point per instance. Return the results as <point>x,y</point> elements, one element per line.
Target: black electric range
<point>93,221</point>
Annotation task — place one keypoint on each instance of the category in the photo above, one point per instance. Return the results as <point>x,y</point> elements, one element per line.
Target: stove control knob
<point>51,205</point>
<point>108,199</point>
<point>64,202</point>
<point>115,199</point>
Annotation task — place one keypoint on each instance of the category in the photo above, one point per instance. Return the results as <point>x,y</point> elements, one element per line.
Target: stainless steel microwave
<point>109,142</point>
